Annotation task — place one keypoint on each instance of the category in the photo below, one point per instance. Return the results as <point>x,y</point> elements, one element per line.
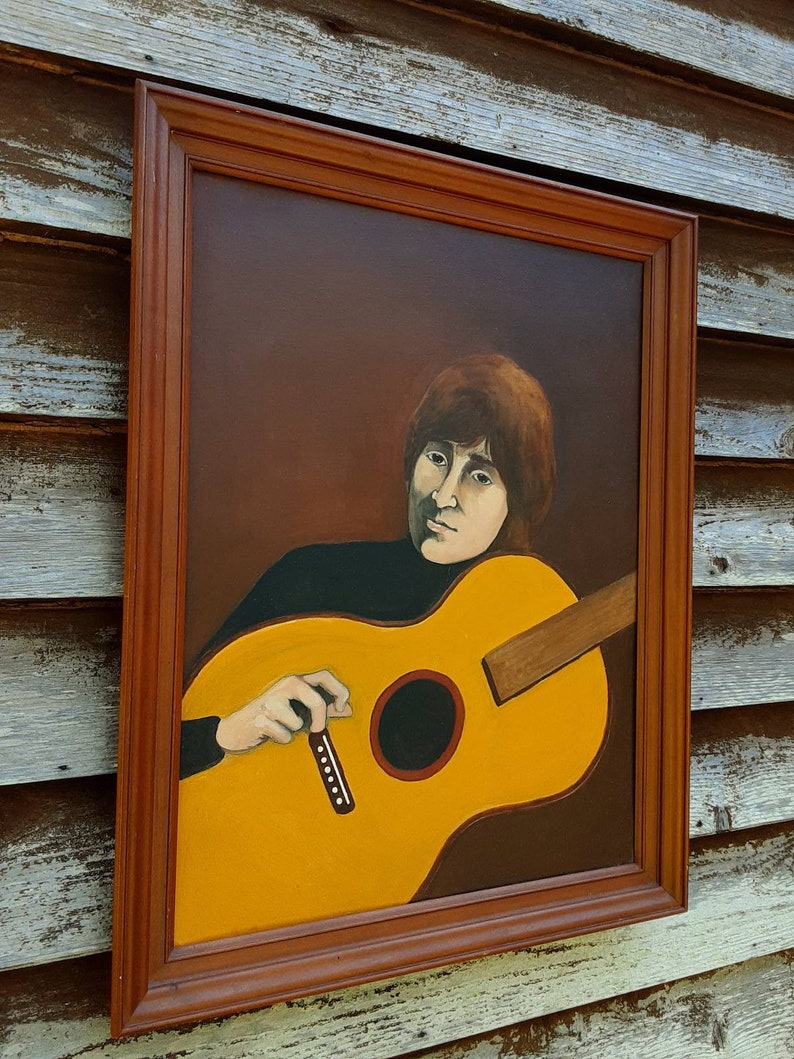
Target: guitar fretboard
<point>528,658</point>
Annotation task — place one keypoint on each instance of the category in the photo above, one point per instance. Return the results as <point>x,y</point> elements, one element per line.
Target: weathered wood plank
<point>413,70</point>
<point>745,1010</point>
<point>745,403</point>
<point>750,47</point>
<point>745,279</point>
<point>746,274</point>
<point>65,153</point>
<point>61,514</point>
<point>64,318</point>
<point>742,899</point>
<point>743,533</point>
<point>55,870</point>
<point>36,1000</point>
<point>59,693</point>
<point>742,772</point>
<point>742,649</point>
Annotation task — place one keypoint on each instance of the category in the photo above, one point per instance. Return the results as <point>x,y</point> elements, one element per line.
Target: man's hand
<point>270,715</point>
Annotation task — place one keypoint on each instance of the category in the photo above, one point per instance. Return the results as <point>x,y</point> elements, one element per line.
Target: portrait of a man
<point>479,473</point>
<point>412,474</point>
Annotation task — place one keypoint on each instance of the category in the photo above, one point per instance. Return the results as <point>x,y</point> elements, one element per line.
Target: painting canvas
<point>409,559</point>
<point>435,448</point>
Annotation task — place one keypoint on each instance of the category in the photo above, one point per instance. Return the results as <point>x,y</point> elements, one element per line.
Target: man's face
<point>457,501</point>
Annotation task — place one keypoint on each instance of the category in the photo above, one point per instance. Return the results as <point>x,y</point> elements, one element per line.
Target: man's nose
<point>446,494</point>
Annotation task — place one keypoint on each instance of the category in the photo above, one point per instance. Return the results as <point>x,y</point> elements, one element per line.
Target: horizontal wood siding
<point>746,279</point>
<point>64,320</point>
<point>742,649</point>
<point>743,533</point>
<point>59,694</point>
<point>663,100</point>
<point>745,1011</point>
<point>745,406</point>
<point>417,72</point>
<point>744,47</point>
<point>742,897</point>
<point>742,764</point>
<point>66,152</point>
<point>62,531</point>
<point>56,870</point>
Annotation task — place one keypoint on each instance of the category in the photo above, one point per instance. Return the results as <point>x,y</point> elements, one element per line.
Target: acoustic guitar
<point>497,698</point>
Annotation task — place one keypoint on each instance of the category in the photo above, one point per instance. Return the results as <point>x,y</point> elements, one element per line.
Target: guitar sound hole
<point>416,725</point>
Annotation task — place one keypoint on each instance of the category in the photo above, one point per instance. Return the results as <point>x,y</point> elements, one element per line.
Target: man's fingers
<point>272,729</point>
<point>325,679</point>
<point>339,706</point>
<point>299,689</point>
<point>281,711</point>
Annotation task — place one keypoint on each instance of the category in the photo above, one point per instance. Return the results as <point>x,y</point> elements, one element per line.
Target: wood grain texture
<point>745,402</point>
<point>743,532</point>
<point>516,665</point>
<point>750,46</point>
<point>739,776</point>
<point>746,275</point>
<point>64,319</point>
<point>65,153</point>
<point>742,773</point>
<point>413,70</point>
<point>742,656</point>
<point>745,279</point>
<point>55,870</point>
<point>746,1011</point>
<point>62,507</point>
<point>742,898</point>
<point>59,693</point>
<point>742,649</point>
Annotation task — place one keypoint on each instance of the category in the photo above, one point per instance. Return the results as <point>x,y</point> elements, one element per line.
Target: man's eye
<point>481,478</point>
<point>436,457</point>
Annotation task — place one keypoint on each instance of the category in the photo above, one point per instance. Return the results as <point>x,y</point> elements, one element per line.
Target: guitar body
<point>260,843</point>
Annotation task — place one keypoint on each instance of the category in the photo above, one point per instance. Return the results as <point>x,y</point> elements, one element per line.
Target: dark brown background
<point>316,327</point>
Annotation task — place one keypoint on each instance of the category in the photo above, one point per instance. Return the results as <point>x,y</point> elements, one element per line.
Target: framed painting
<point>406,635</point>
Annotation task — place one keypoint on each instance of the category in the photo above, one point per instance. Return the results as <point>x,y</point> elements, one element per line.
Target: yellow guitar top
<point>272,838</point>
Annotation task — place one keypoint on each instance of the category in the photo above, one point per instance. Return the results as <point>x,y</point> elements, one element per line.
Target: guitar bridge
<point>331,772</point>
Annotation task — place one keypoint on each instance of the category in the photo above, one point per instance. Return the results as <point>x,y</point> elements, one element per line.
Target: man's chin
<point>439,551</point>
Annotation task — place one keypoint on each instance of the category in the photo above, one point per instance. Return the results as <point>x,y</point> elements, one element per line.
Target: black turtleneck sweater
<point>373,580</point>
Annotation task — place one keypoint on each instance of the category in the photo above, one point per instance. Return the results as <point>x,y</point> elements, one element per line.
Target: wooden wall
<point>662,100</point>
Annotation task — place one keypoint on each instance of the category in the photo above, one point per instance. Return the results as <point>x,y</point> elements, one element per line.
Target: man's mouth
<point>437,525</point>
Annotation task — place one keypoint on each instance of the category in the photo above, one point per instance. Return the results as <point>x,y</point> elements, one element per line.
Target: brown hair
<point>488,397</point>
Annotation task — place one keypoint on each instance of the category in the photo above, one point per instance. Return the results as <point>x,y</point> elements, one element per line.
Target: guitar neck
<point>526,659</point>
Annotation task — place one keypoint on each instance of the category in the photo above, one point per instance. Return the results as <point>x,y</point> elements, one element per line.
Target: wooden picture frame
<point>187,149</point>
